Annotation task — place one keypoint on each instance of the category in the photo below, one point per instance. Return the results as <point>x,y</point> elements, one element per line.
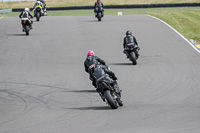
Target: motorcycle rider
<point>43,5</point>
<point>128,39</point>
<point>43,2</point>
<point>38,4</point>
<point>98,4</point>
<point>24,15</point>
<point>90,63</point>
<point>102,72</point>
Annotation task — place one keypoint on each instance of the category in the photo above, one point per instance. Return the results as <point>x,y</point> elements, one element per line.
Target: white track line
<point>176,32</point>
<point>1,17</point>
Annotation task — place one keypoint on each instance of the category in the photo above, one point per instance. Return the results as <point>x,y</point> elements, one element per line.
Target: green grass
<point>66,3</point>
<point>186,20</point>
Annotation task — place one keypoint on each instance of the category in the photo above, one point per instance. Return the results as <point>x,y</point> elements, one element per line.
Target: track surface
<point>43,86</point>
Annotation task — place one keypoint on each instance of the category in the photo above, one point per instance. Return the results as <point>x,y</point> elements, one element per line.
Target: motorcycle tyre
<point>99,16</point>
<point>133,58</point>
<point>110,100</point>
<point>27,29</point>
<point>38,16</point>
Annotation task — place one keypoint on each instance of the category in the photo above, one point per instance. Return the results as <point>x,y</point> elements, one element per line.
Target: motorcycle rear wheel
<point>38,16</point>
<point>27,29</point>
<point>99,16</point>
<point>133,58</point>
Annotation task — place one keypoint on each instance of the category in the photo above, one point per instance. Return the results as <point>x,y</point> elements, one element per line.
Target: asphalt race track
<point>44,88</point>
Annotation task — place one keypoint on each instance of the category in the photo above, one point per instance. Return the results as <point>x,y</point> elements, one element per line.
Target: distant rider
<point>43,2</point>
<point>90,63</point>
<point>102,72</point>
<point>44,5</point>
<point>38,4</point>
<point>24,15</point>
<point>128,39</point>
<point>98,4</point>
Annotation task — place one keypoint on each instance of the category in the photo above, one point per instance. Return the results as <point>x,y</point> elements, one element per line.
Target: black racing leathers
<point>128,40</point>
<point>90,60</point>
<point>90,63</point>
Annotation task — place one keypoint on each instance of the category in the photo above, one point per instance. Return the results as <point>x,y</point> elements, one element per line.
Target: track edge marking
<point>176,32</point>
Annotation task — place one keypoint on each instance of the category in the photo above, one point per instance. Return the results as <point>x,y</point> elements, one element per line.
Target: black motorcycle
<point>26,25</point>
<point>108,94</point>
<point>99,13</point>
<point>38,13</point>
<point>132,49</point>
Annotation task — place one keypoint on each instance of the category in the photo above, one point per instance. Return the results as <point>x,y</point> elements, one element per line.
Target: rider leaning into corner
<point>24,15</point>
<point>94,64</point>
<point>102,72</point>
<point>90,63</point>
<point>128,39</point>
<point>98,4</point>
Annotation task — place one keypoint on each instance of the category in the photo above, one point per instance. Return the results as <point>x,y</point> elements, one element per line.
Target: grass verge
<point>66,3</point>
<point>186,20</point>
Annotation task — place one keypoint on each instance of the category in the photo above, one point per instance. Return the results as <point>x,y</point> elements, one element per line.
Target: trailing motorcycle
<point>132,51</point>
<point>26,25</point>
<point>108,94</point>
<point>99,13</point>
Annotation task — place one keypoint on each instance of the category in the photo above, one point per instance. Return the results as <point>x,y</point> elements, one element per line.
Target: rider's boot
<point>102,13</point>
<point>137,52</point>
<point>118,91</point>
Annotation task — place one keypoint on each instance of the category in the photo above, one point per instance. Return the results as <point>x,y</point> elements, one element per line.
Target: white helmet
<point>26,9</point>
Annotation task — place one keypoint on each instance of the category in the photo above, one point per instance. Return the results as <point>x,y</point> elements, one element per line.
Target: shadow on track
<point>16,34</point>
<point>91,20</point>
<point>84,91</point>
<point>121,64</point>
<point>92,108</point>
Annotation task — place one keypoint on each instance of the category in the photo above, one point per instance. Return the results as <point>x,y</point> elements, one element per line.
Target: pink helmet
<point>90,53</point>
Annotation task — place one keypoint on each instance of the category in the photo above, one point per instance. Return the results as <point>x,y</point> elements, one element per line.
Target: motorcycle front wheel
<point>110,99</point>
<point>38,16</point>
